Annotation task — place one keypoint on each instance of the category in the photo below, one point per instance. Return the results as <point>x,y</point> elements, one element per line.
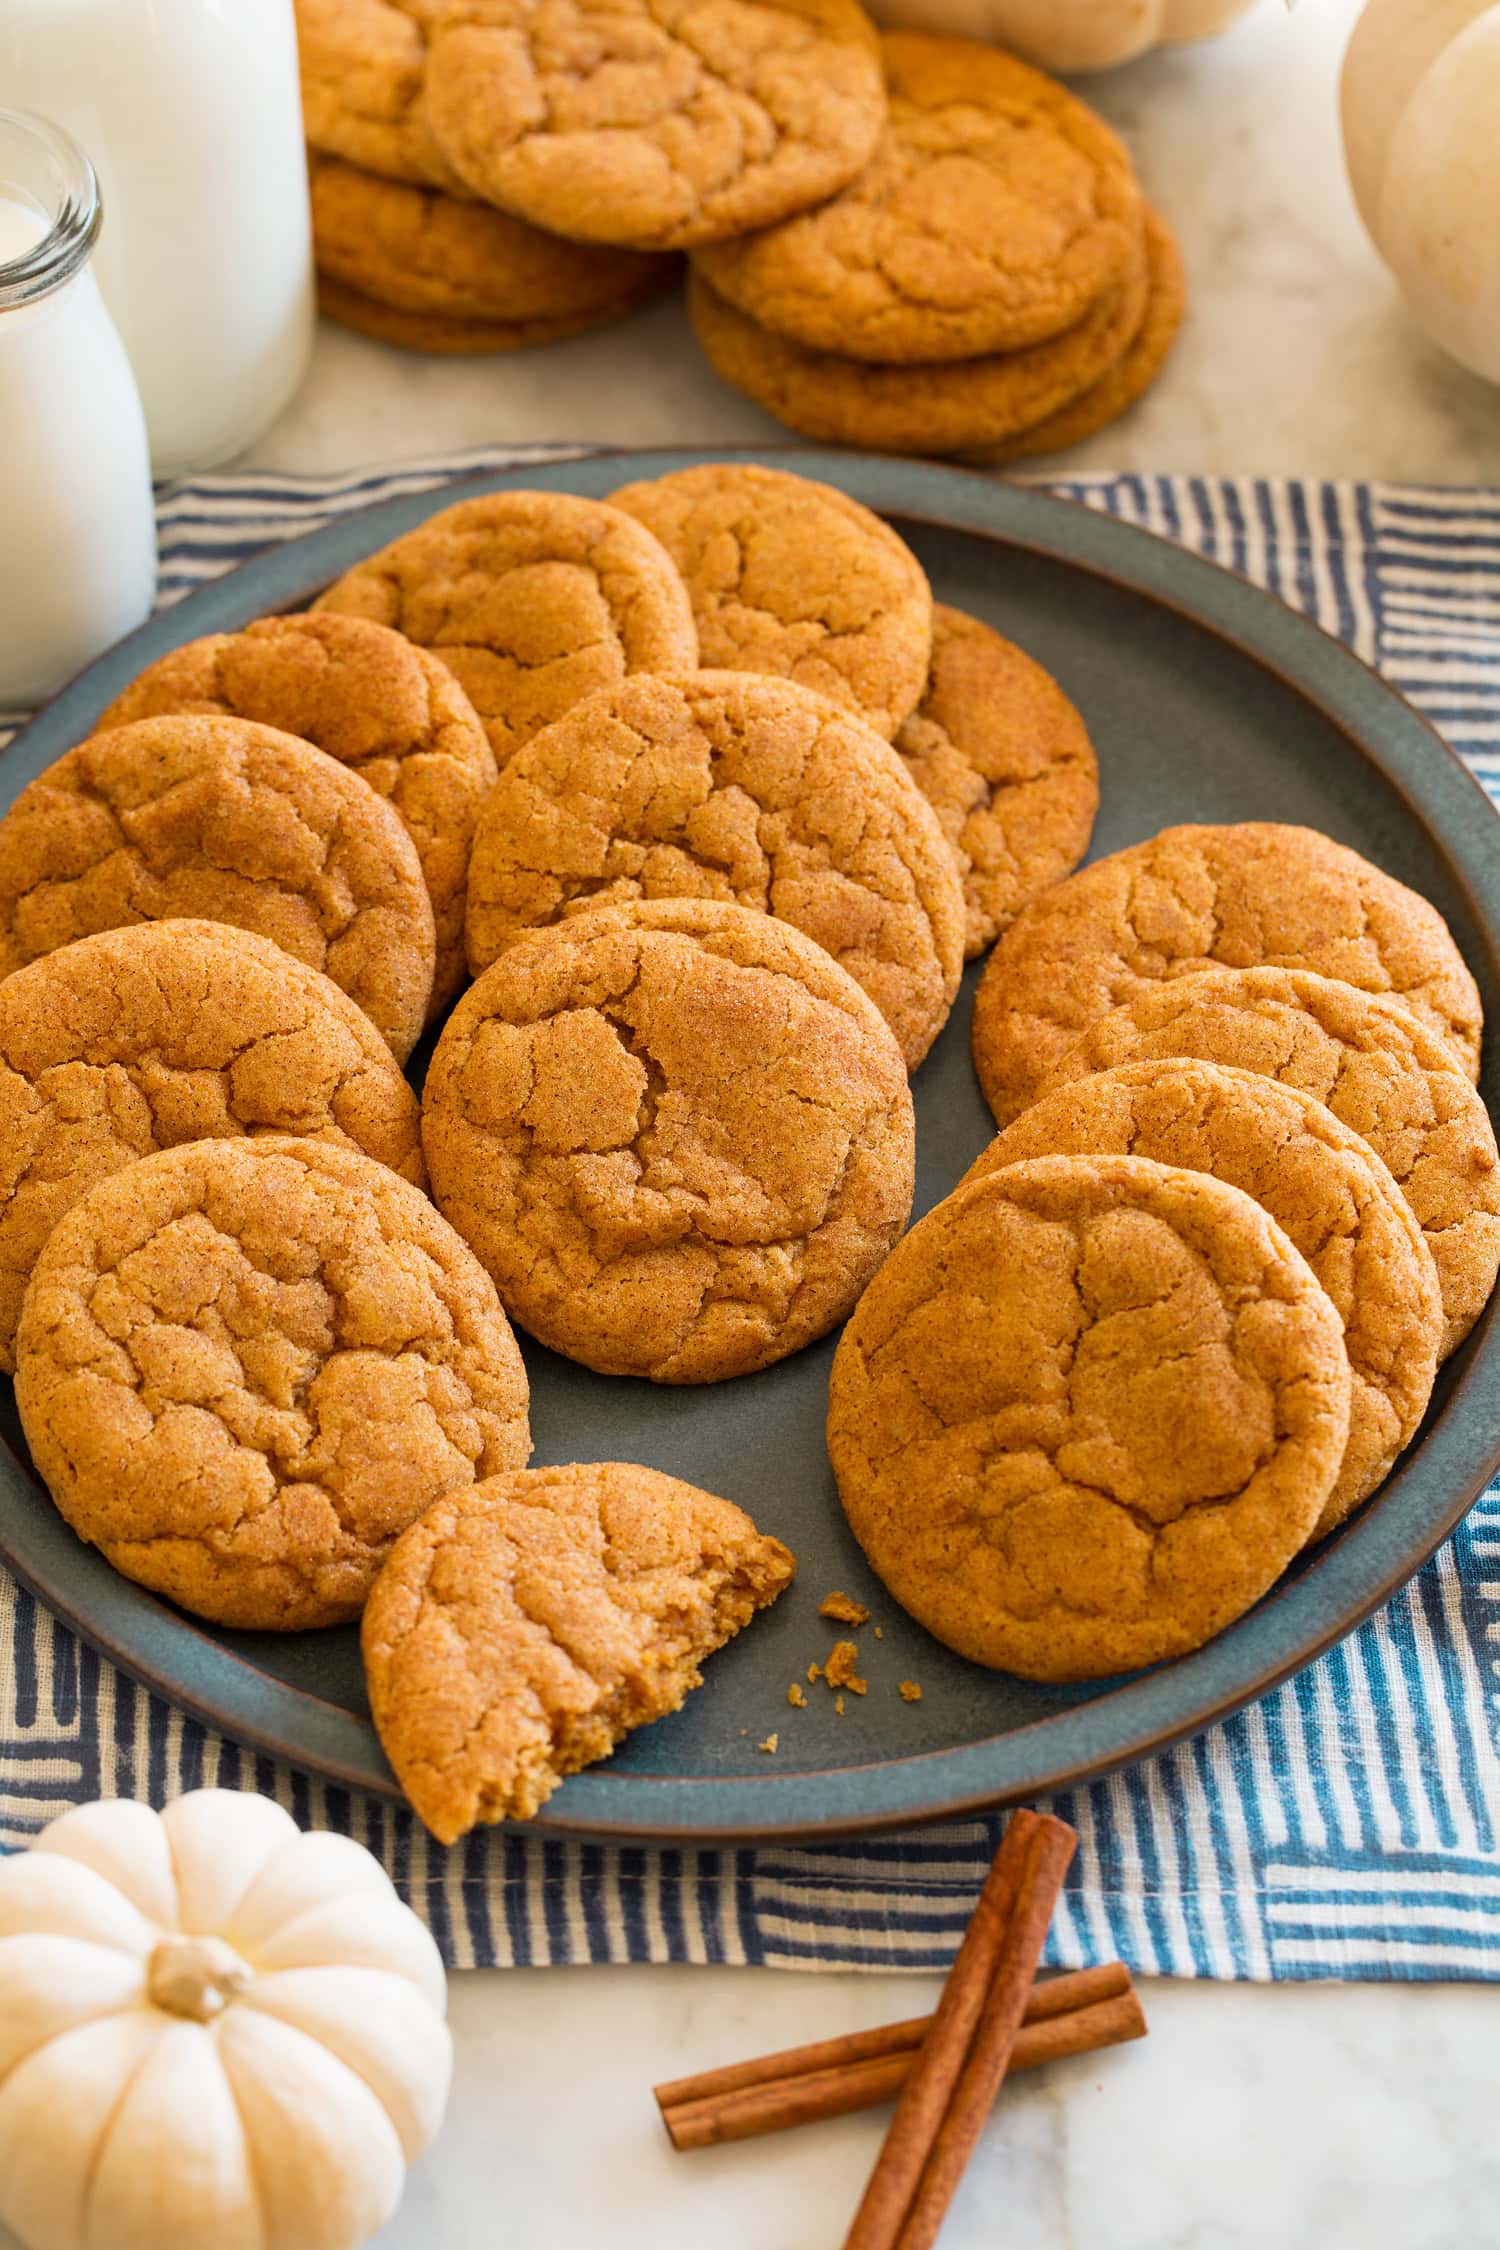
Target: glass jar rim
<point>72,206</point>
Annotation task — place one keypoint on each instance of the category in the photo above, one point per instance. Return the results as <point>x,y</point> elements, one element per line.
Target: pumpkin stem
<point>195,1976</point>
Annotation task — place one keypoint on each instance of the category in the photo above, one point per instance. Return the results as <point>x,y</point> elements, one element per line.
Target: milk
<point>77,536</point>
<point>189,111</point>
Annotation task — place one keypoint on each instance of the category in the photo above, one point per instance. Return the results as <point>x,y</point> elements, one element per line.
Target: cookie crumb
<point>910,1691</point>
<point>796,1695</point>
<point>879,1633</point>
<point>814,1674</point>
<point>844,1610</point>
<point>771,1745</point>
<point>838,1705</point>
<point>839,1671</point>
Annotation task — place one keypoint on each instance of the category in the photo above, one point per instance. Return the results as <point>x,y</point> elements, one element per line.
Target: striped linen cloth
<point>1348,1826</point>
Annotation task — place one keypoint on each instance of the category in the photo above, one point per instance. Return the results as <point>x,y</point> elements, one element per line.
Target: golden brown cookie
<point>1086,1414</point>
<point>725,785</point>
<point>1133,372</point>
<point>793,577</point>
<point>527,1624</point>
<point>1379,1068</point>
<point>456,338</point>
<point>1320,1182</point>
<point>534,599</point>
<point>138,1039</point>
<point>1006,763</point>
<point>995,211</point>
<point>362,64</point>
<point>371,699</point>
<point>676,1133</point>
<point>656,123</point>
<point>937,406</point>
<point>222,820</point>
<point>244,1367</point>
<point>1257,892</point>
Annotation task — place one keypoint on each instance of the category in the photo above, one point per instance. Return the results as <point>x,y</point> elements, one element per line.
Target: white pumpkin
<point>1421,113</point>
<point>1065,34</point>
<point>216,2032</point>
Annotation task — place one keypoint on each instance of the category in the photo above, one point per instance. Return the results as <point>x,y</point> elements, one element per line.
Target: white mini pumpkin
<point>1421,113</point>
<point>1065,34</point>
<point>216,2032</point>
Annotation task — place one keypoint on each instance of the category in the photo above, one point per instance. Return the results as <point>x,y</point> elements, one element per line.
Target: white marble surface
<point>1353,2119</point>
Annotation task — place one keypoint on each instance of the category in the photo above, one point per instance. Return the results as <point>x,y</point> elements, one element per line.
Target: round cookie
<point>1380,1069</point>
<point>654,123</point>
<point>724,785</point>
<point>525,1625</point>
<point>676,1133</point>
<point>1133,372</point>
<point>994,212</point>
<point>223,820</point>
<point>138,1039</point>
<point>456,337</point>
<point>534,599</point>
<point>1256,892</point>
<point>1323,1185</point>
<point>937,406</point>
<point>793,577</point>
<point>1006,763</point>
<point>362,65</point>
<point>371,699</point>
<point>244,1367</point>
<point>1086,1413</point>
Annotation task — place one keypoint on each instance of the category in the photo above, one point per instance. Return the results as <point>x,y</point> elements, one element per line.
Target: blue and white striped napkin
<point>1348,1826</point>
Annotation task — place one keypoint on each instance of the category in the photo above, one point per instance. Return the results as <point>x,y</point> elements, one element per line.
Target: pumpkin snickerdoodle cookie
<point>534,599</point>
<point>371,699</point>
<point>362,64</point>
<point>225,821</point>
<point>790,576</point>
<point>995,211</point>
<point>526,1624</point>
<point>138,1039</point>
<point>1086,1413</point>
<point>727,785</point>
<point>1380,1069</point>
<point>454,335</point>
<point>656,123</point>
<point>676,1133</point>
<point>1006,763</point>
<point>1253,893</point>
<point>243,1367</point>
<point>1321,1183</point>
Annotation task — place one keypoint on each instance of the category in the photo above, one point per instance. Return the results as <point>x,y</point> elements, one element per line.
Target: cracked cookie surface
<point>994,212</point>
<point>138,1039</point>
<point>371,699</point>
<point>1256,893</point>
<point>244,1367</point>
<point>1086,1413</point>
<point>654,123</point>
<point>1323,1185</point>
<point>789,576</point>
<point>223,820</point>
<point>725,785</point>
<point>676,1133</point>
<point>1380,1069</point>
<point>534,600</point>
<point>363,64</point>
<point>1006,763</point>
<point>525,1625</point>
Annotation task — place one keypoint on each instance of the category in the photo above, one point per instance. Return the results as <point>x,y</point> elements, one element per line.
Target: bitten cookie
<point>525,1625</point>
<point>1086,1414</point>
<point>1379,1068</point>
<point>723,785</point>
<point>138,1039</point>
<point>221,820</point>
<point>793,577</point>
<point>1320,1182</point>
<point>534,599</point>
<point>363,63</point>
<point>657,123</point>
<point>676,1133</point>
<point>1006,763</point>
<point>994,213</point>
<point>243,1367</point>
<point>371,699</point>
<point>1251,894</point>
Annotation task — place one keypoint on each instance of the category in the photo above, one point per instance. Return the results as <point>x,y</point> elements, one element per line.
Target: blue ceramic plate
<point>1207,700</point>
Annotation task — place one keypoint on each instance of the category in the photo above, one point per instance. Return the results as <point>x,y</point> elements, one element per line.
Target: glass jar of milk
<point>190,114</point>
<point>77,533</point>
